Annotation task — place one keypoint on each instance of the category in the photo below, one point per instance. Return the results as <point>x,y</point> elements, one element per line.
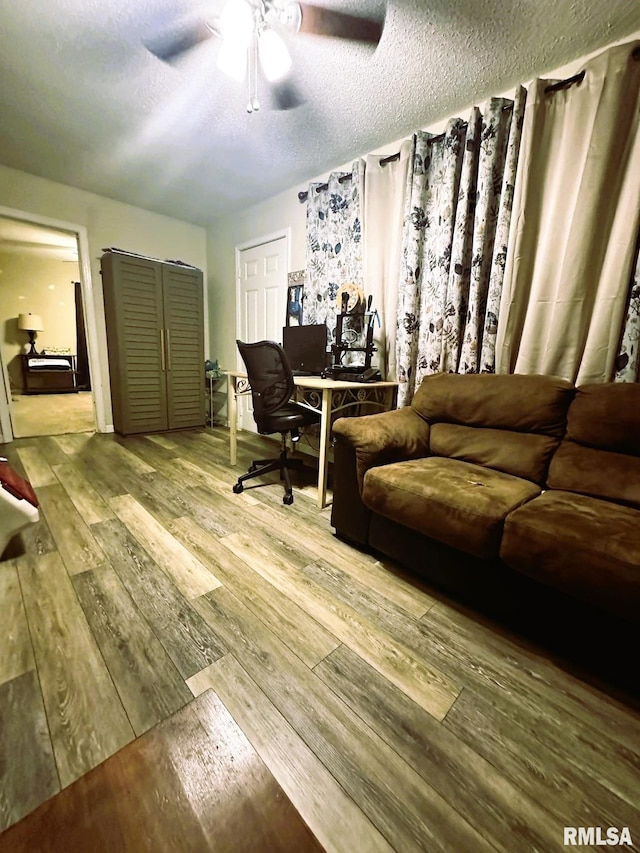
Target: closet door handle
<point>162,363</point>
<point>168,349</point>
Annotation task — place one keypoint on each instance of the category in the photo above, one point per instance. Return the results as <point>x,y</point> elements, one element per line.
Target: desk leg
<point>232,417</point>
<point>392,398</point>
<point>325,435</point>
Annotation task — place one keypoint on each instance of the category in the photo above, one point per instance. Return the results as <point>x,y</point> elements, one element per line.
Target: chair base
<point>284,464</point>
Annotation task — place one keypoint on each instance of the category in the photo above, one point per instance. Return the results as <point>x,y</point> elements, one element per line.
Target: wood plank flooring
<point>193,784</point>
<point>392,718</point>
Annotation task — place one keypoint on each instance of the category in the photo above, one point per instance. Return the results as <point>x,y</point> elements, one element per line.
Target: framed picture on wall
<point>295,298</point>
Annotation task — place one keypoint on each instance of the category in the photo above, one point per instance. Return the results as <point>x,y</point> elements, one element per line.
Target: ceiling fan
<point>253,36</point>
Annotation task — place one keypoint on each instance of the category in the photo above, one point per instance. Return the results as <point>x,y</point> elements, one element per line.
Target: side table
<point>46,374</point>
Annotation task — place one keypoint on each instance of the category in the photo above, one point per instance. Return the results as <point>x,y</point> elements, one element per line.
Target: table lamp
<point>31,323</point>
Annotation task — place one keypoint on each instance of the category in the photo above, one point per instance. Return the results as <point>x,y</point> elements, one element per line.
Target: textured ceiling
<point>82,102</point>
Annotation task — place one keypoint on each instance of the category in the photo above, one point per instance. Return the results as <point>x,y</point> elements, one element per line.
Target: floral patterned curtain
<point>457,216</point>
<point>627,362</point>
<point>334,244</point>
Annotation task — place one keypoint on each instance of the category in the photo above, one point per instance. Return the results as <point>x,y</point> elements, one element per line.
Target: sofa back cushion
<point>510,423</point>
<point>600,455</point>
<point>525,455</point>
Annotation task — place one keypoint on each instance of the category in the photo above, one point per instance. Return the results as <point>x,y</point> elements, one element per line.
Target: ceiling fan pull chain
<point>254,50</point>
<point>253,105</point>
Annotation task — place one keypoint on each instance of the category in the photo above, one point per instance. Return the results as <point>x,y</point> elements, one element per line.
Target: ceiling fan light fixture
<point>237,24</point>
<point>274,56</point>
<point>288,16</point>
<point>232,60</point>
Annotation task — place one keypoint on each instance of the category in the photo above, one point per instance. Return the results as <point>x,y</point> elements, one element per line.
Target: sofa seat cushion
<point>458,503</point>
<point>586,546</point>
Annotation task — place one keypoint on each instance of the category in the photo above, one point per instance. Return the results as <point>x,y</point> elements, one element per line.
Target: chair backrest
<point>269,375</point>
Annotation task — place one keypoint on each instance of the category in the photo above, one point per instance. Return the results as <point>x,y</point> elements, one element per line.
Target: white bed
<point>16,512</point>
<point>62,363</point>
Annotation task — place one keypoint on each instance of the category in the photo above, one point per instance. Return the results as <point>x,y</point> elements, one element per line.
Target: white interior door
<point>6,430</point>
<point>262,274</point>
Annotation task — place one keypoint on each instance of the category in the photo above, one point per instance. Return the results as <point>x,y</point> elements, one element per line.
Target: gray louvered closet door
<point>155,335</point>
<point>184,322</point>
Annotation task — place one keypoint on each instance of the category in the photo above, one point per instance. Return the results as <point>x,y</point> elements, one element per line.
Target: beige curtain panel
<point>384,195</point>
<point>575,223</point>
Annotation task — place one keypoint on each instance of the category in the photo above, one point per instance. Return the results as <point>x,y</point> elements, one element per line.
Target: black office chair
<point>272,385</point>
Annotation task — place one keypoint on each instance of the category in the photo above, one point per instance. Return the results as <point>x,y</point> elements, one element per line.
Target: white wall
<point>109,224</point>
<point>35,285</point>
<point>285,211</point>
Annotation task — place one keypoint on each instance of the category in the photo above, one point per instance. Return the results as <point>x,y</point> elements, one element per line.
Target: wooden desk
<point>192,784</point>
<point>328,397</point>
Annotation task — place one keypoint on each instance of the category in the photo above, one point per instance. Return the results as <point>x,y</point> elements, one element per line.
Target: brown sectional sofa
<point>487,482</point>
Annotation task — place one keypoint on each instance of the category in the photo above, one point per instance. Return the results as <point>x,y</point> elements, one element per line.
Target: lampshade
<point>274,56</point>
<point>232,61</point>
<point>236,23</point>
<point>30,323</point>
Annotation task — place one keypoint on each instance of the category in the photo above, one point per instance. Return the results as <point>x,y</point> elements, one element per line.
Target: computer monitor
<point>306,348</point>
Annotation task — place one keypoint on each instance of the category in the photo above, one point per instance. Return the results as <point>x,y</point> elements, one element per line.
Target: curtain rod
<point>441,136</point>
<point>565,84</point>
<point>579,77</point>
<point>396,156</point>
<point>389,159</point>
<point>303,195</point>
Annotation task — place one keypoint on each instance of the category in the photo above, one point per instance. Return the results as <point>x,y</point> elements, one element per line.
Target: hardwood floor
<point>392,718</point>
<point>191,783</point>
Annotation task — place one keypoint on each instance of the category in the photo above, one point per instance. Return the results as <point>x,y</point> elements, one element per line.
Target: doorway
<point>261,299</point>
<point>48,383</point>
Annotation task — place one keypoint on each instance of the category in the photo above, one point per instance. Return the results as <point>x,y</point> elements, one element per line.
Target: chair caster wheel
<point>287,499</point>
<point>238,487</point>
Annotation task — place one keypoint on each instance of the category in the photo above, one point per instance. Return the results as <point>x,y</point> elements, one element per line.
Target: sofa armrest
<point>349,515</point>
<point>384,438</point>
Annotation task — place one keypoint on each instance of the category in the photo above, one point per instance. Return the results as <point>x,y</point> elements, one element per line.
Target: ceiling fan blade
<point>186,34</point>
<point>319,21</point>
<point>286,96</point>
